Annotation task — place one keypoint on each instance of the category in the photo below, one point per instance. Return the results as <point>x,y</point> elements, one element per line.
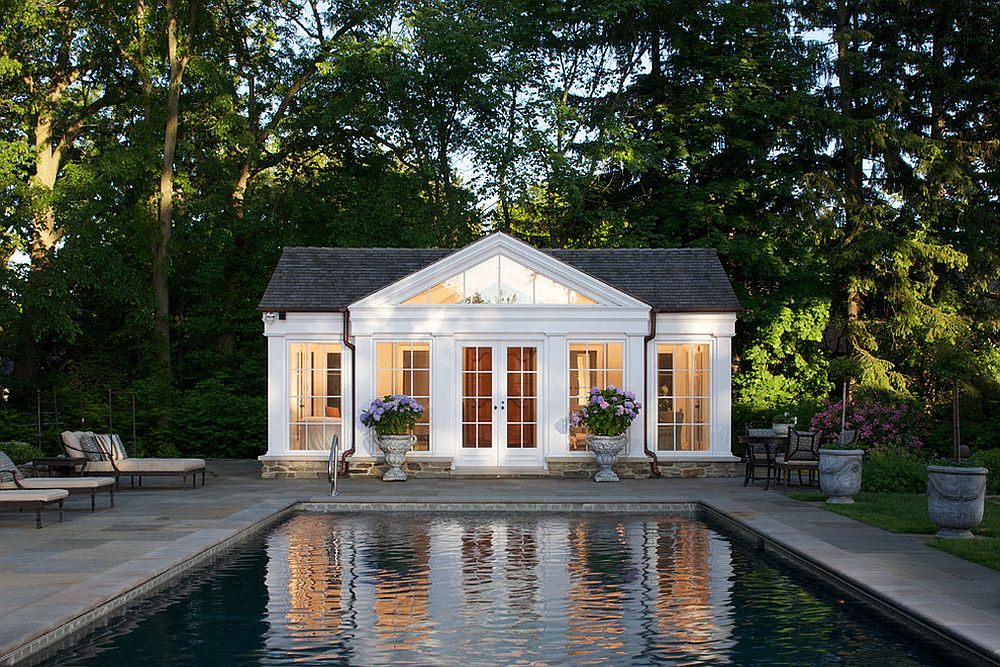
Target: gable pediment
<point>499,271</point>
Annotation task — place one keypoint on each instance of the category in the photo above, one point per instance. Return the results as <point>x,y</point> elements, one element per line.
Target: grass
<point>907,513</point>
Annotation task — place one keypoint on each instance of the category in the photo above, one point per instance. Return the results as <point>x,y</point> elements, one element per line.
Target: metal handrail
<point>332,467</point>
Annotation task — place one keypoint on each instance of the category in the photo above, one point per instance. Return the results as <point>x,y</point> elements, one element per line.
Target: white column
<point>632,358</point>
<point>722,386</point>
<point>554,401</point>
<point>364,367</point>
<point>277,395</point>
<point>444,397</point>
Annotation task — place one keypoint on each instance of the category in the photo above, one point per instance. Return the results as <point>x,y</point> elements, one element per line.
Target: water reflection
<point>542,590</point>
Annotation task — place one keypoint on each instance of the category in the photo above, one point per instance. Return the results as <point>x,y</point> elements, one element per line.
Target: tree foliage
<point>156,155</point>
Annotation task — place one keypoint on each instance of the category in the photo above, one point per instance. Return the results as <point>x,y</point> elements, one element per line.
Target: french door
<point>499,405</point>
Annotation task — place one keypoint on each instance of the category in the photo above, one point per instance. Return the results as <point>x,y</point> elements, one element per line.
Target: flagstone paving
<point>53,578</point>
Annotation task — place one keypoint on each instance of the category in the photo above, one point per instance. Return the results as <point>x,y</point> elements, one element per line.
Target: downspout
<point>354,391</point>
<point>654,466</point>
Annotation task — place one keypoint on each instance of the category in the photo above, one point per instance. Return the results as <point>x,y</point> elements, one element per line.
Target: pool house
<point>500,341</point>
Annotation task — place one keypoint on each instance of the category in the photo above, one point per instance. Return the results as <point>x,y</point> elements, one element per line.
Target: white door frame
<point>499,455</point>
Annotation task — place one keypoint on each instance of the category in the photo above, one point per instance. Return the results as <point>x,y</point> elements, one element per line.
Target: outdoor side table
<point>58,466</point>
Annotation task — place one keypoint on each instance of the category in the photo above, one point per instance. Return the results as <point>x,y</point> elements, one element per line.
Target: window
<point>405,368</point>
<point>503,281</point>
<point>315,398</point>
<point>590,365</point>
<point>682,397</point>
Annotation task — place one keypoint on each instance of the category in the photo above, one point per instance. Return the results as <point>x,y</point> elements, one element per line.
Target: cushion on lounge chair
<point>66,482</point>
<point>140,466</point>
<point>32,495</point>
<point>71,444</point>
<point>104,442</point>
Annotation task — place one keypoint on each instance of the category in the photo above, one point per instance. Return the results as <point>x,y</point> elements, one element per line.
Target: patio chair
<point>848,436</point>
<point>105,454</point>
<point>11,478</point>
<point>35,499</point>
<point>801,456</point>
<point>758,454</point>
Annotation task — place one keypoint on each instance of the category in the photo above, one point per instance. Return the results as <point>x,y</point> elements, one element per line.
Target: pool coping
<point>109,595</point>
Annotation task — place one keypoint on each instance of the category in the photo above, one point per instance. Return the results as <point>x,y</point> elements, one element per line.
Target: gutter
<point>354,391</point>
<point>654,466</point>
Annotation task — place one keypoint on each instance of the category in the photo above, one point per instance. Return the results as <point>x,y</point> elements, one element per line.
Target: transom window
<point>590,365</point>
<point>405,368</point>
<point>315,396</point>
<point>500,281</point>
<point>682,397</point>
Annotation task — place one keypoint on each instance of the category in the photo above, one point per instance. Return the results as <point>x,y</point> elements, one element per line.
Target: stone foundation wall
<point>564,468</point>
<point>639,469</point>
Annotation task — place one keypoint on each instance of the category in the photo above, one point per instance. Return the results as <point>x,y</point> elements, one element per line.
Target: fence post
<point>133,421</point>
<point>111,426</point>
<point>55,406</point>
<point>38,415</point>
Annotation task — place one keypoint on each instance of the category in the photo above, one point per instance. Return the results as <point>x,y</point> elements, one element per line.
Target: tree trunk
<point>165,209</point>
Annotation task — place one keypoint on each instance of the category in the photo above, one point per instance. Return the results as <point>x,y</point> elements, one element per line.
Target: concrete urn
<point>840,474</point>
<point>956,499</point>
<point>394,447</point>
<point>606,449</point>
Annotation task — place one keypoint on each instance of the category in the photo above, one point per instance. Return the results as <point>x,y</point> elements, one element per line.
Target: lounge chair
<point>11,478</point>
<point>31,498</point>
<point>106,454</point>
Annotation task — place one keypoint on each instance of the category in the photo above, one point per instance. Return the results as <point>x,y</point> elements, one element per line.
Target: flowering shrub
<point>608,412</point>
<point>879,426</point>
<point>392,415</point>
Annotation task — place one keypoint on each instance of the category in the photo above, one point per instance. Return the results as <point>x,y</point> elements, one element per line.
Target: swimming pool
<point>499,589</point>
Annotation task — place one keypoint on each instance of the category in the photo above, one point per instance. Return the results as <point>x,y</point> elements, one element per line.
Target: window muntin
<point>499,281</point>
<point>682,397</point>
<point>405,368</point>
<point>315,395</point>
<point>590,365</point>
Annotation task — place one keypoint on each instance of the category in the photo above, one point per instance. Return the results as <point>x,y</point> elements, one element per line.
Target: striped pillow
<point>91,447</point>
<point>117,448</point>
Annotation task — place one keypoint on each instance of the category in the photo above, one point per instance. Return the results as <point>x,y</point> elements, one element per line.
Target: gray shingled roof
<point>329,279</point>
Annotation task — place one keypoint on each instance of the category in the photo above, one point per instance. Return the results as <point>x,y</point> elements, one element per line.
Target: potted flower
<point>393,418</point>
<point>606,417</point>
<point>840,470</point>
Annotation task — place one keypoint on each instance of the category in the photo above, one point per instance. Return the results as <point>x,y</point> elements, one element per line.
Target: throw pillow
<point>117,448</point>
<point>8,471</point>
<point>91,448</point>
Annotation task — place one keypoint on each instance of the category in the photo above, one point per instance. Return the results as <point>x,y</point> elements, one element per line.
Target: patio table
<point>762,445</point>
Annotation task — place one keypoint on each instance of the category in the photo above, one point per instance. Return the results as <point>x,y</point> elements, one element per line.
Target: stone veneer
<point>563,467</point>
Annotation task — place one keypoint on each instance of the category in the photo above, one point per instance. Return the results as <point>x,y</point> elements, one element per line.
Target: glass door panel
<point>477,397</point>
<point>521,410</point>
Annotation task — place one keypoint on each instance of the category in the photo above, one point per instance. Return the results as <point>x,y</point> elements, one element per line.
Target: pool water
<point>499,589</point>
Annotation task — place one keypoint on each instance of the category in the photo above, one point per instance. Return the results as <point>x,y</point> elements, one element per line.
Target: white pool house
<point>500,341</point>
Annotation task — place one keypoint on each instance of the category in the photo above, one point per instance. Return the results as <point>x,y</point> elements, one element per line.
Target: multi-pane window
<point>590,365</point>
<point>502,281</point>
<point>405,368</point>
<point>315,398</point>
<point>477,397</point>
<point>682,397</point>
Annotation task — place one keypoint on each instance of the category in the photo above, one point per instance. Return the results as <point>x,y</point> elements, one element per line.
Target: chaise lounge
<point>35,499</point>
<point>106,454</point>
<point>11,478</point>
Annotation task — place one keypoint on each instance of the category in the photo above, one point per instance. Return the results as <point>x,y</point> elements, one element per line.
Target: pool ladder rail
<point>332,467</point>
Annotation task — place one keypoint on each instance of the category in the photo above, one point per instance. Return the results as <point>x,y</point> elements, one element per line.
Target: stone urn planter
<point>606,449</point>
<point>394,447</point>
<point>840,474</point>
<point>955,499</point>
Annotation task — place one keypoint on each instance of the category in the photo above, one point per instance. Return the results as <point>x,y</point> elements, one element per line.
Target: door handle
<point>502,403</point>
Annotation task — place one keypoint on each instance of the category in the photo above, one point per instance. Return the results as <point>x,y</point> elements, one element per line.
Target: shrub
<point>990,459</point>
<point>214,421</point>
<point>880,426</point>
<point>20,452</point>
<point>887,471</point>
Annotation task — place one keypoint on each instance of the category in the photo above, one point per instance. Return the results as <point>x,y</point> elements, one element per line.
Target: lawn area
<point>907,513</point>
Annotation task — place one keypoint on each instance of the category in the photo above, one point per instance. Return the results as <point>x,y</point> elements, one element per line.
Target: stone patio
<point>55,578</point>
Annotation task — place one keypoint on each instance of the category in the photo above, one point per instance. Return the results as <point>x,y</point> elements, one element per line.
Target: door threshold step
<point>499,472</point>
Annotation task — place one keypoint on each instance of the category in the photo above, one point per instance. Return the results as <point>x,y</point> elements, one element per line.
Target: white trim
<point>511,248</point>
